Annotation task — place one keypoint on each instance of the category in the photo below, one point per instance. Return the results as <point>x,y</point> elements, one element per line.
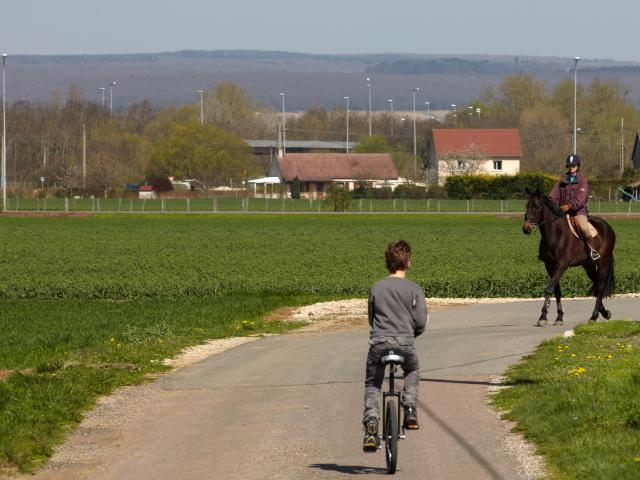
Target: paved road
<point>289,407</point>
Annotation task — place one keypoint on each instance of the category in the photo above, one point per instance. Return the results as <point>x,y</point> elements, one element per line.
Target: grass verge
<point>58,356</point>
<point>578,400</point>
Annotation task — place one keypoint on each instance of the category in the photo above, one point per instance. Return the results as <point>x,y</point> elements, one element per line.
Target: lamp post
<point>415,145</point>
<point>369,87</point>
<point>478,112</point>
<point>428,104</point>
<point>111,85</point>
<point>201,92</point>
<point>284,126</point>
<point>455,115</point>
<point>102,89</point>
<point>390,100</point>
<point>347,99</point>
<point>575,100</point>
<point>4,137</point>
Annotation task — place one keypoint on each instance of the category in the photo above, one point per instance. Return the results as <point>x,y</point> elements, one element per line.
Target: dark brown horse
<point>560,249</point>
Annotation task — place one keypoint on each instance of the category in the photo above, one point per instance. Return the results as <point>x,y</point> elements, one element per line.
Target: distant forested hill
<point>307,79</point>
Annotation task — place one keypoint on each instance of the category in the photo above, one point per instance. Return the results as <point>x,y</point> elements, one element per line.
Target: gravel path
<point>226,395</point>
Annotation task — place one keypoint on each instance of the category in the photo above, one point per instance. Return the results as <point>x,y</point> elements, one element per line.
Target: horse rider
<point>571,193</point>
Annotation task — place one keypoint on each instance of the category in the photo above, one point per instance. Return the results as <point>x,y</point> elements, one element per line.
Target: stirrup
<point>594,254</point>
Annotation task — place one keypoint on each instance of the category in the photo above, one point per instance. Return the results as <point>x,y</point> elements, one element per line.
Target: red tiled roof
<point>493,142</point>
<point>310,167</point>
<point>145,188</point>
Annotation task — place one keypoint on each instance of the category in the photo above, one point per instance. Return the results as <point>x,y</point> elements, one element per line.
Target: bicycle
<point>392,428</point>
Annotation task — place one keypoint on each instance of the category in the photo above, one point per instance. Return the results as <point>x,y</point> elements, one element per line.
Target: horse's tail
<point>610,285</point>
<point>610,282</point>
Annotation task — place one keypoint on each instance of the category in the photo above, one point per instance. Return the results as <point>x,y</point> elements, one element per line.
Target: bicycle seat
<point>392,358</point>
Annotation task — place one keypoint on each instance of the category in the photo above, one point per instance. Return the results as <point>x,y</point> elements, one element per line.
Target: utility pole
<point>84,156</point>
<point>621,146</point>
<point>575,101</point>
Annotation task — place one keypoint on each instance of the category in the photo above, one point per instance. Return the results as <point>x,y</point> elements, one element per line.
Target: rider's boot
<point>594,245</point>
<point>411,418</point>
<point>370,443</point>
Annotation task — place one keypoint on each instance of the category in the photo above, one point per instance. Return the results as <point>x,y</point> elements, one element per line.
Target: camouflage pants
<point>378,347</point>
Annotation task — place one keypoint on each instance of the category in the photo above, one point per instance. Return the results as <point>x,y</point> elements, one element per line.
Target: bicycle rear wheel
<point>391,436</point>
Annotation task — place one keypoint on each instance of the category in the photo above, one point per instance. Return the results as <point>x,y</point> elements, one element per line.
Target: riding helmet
<point>573,160</point>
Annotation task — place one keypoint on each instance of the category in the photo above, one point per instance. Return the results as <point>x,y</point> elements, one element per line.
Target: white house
<point>456,151</point>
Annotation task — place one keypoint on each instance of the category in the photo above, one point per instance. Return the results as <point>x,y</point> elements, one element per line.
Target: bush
<point>382,193</point>
<point>407,191</point>
<point>161,184</point>
<point>295,189</point>
<point>340,197</point>
<point>497,187</point>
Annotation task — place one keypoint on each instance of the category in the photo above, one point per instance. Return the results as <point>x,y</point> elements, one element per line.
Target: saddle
<point>575,229</point>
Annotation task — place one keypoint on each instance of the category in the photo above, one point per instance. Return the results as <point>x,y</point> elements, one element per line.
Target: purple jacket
<point>574,194</point>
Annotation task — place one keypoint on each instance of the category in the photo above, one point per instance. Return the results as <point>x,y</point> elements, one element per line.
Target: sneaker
<point>370,443</point>
<point>411,418</point>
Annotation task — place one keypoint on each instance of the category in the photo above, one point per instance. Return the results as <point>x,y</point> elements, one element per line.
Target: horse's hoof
<point>607,314</point>
<point>558,323</point>
<point>542,323</point>
<point>592,320</point>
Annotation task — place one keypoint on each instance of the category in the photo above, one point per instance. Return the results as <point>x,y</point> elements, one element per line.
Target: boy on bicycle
<point>397,314</point>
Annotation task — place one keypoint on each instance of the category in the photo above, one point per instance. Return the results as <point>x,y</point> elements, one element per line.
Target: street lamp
<point>575,100</point>
<point>102,89</point>
<point>455,115</point>
<point>284,126</point>
<point>478,112</point>
<point>4,137</point>
<point>111,85</point>
<point>201,92</point>
<point>347,99</point>
<point>428,104</point>
<point>369,87</point>
<point>415,145</point>
<point>390,100</point>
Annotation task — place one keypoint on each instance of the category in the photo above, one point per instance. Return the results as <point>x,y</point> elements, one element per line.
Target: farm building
<point>493,151</point>
<point>316,171</point>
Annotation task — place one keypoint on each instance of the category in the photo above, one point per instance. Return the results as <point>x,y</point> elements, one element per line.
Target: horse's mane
<point>551,205</point>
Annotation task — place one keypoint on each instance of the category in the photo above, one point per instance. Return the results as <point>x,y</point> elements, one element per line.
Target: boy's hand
<point>565,208</point>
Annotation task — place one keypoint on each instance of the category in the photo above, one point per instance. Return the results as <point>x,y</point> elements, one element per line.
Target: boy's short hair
<point>397,256</point>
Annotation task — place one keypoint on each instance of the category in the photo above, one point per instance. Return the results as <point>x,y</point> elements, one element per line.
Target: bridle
<point>536,223</point>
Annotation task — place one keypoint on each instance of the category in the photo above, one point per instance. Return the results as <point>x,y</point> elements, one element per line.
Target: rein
<point>535,223</point>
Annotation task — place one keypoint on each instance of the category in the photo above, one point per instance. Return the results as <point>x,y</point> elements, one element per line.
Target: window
<point>497,164</point>
<point>462,165</point>
<point>319,187</point>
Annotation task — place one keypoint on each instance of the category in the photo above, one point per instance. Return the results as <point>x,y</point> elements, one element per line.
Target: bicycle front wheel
<point>391,436</point>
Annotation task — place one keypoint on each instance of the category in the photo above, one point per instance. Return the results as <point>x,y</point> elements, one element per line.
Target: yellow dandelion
<point>637,459</point>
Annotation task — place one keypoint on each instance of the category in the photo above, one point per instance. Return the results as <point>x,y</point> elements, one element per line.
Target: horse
<point>560,249</point>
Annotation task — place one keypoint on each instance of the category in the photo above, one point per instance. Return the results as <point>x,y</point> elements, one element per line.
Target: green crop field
<point>92,303</point>
<point>127,257</point>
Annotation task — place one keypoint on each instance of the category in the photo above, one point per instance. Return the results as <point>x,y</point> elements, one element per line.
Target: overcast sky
<point>587,28</point>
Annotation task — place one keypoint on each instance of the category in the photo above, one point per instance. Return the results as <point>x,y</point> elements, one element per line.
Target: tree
<point>373,144</point>
<point>229,108</point>
<point>545,139</point>
<point>203,152</point>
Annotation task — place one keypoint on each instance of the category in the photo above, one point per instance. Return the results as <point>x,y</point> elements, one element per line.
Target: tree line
<point>79,146</point>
